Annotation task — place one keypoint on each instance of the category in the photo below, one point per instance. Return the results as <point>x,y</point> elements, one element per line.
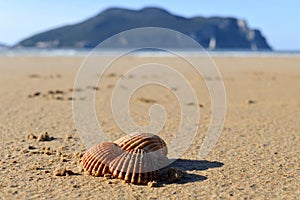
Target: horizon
<point>43,21</point>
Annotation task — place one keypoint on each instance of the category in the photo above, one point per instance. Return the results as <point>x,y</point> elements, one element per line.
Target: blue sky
<point>278,20</point>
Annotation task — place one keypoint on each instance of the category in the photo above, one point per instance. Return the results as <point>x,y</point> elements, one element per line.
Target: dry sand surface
<point>256,157</point>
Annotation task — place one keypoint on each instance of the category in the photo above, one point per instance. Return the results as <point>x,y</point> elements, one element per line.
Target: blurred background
<point>227,24</point>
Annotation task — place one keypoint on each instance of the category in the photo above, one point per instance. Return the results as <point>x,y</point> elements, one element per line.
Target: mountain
<point>211,33</point>
<point>2,46</point>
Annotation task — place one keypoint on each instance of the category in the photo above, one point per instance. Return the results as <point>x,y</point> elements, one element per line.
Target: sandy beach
<point>256,157</point>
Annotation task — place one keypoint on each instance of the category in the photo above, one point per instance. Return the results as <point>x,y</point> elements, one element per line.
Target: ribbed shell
<point>97,159</point>
<point>146,141</point>
<point>137,166</point>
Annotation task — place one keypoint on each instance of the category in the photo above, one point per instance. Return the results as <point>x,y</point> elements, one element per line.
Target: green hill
<point>212,33</point>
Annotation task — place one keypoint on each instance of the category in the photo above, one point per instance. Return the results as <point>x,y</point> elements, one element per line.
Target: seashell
<point>96,160</point>
<point>146,141</point>
<point>137,166</point>
<point>135,158</point>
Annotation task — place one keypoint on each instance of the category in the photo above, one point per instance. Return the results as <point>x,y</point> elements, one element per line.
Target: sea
<point>34,52</point>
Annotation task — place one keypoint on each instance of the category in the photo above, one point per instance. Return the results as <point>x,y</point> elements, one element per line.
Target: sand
<point>256,157</point>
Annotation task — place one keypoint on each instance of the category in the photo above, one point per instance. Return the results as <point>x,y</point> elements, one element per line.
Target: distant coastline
<point>82,52</point>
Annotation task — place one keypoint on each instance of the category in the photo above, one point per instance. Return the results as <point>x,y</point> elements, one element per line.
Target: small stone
<point>68,136</point>
<point>46,148</point>
<point>59,92</point>
<point>86,173</point>
<point>34,167</point>
<point>59,98</point>
<point>44,137</point>
<point>30,147</point>
<point>34,76</point>
<point>77,155</point>
<point>48,153</point>
<point>62,148</point>
<point>58,153</point>
<point>190,104</point>
<point>92,87</point>
<point>75,89</point>
<point>112,75</point>
<point>145,100</point>
<point>152,184</point>
<point>31,136</point>
<point>37,94</point>
<point>35,152</point>
<point>108,176</point>
<point>62,172</point>
<point>251,102</point>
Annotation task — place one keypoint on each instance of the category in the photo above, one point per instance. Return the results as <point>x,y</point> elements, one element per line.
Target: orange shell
<point>135,158</point>
<point>146,141</point>
<point>96,160</point>
<point>137,166</point>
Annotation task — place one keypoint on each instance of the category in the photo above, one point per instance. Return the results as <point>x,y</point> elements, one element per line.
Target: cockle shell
<point>137,166</point>
<point>135,158</point>
<point>146,141</point>
<point>97,159</point>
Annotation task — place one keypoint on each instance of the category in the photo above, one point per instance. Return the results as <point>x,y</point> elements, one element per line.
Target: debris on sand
<point>108,176</point>
<point>145,100</point>
<point>44,137</point>
<point>152,184</point>
<point>251,102</point>
<point>31,136</point>
<point>41,138</point>
<point>34,95</point>
<point>63,172</point>
<point>171,174</point>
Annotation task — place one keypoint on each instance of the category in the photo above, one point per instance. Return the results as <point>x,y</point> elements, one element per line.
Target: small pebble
<point>59,98</point>
<point>59,92</point>
<point>37,94</point>
<point>152,184</point>
<point>62,172</point>
<point>47,152</point>
<point>58,153</point>
<point>251,102</point>
<point>44,137</point>
<point>108,176</point>
<point>31,136</point>
<point>68,136</point>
